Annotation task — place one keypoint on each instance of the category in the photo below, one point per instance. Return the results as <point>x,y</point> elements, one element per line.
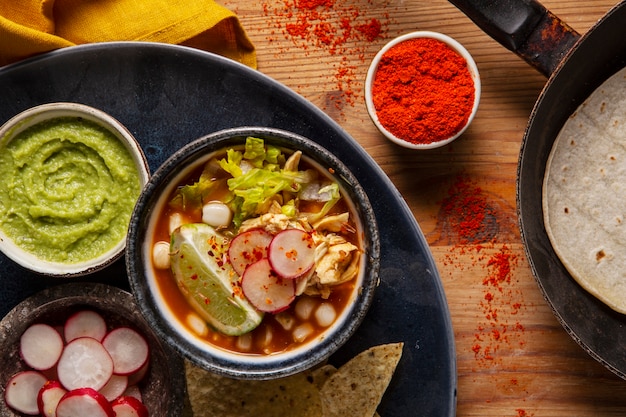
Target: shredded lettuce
<point>257,178</point>
<point>289,209</point>
<point>260,156</point>
<point>232,163</point>
<point>192,196</point>
<point>255,189</point>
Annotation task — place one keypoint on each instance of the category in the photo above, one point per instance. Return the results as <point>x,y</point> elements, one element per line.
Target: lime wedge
<point>209,282</point>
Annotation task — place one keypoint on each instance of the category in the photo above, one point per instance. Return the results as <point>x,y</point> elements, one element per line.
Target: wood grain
<point>535,368</point>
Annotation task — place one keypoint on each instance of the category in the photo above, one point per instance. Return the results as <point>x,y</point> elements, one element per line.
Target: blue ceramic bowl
<point>197,350</point>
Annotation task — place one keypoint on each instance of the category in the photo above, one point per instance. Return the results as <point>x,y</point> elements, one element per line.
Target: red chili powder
<point>473,220</point>
<point>423,91</point>
<point>335,28</point>
<point>312,4</point>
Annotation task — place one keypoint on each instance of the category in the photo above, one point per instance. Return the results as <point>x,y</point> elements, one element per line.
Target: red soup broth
<point>270,336</point>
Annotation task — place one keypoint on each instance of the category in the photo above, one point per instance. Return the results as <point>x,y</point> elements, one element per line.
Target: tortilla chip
<point>320,375</point>
<point>357,387</point>
<point>214,395</point>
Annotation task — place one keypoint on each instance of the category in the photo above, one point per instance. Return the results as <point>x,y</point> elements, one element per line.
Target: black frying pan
<point>575,65</point>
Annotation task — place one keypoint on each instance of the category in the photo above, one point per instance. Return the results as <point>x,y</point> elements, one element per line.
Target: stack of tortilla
<point>584,193</point>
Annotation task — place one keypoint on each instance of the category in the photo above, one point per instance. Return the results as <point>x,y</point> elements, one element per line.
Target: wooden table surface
<point>531,367</point>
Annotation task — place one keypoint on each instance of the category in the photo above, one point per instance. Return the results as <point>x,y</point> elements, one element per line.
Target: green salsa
<point>67,190</point>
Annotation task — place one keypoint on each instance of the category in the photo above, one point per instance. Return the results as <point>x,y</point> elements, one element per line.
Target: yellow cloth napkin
<point>30,27</point>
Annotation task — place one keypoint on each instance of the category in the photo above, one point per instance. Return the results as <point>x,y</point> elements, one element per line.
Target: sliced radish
<point>84,402</point>
<point>129,407</point>
<point>85,323</point>
<point>41,346</point>
<point>22,390</point>
<point>49,396</point>
<point>115,387</point>
<point>85,363</point>
<point>247,248</point>
<point>133,391</point>
<point>128,349</point>
<point>265,290</point>
<point>292,253</point>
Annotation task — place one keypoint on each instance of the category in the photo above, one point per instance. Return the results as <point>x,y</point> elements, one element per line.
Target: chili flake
<point>334,28</point>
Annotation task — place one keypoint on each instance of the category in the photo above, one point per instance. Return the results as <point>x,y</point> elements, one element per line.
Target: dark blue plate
<point>169,95</point>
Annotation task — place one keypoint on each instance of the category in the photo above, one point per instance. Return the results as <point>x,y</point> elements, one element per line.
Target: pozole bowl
<point>70,175</point>
<point>205,253</point>
<point>159,383</point>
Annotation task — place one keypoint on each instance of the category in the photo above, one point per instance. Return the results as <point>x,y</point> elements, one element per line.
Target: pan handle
<point>525,27</point>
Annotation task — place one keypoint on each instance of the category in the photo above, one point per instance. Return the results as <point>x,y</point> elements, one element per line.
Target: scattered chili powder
<point>471,218</point>
<point>337,30</point>
<point>474,222</point>
<point>423,91</point>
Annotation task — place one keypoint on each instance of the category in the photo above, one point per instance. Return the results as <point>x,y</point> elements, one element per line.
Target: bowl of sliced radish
<point>254,252</point>
<point>84,349</point>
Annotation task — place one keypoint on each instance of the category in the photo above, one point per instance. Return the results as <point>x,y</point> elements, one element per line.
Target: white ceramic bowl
<point>160,313</point>
<point>48,113</point>
<point>371,74</point>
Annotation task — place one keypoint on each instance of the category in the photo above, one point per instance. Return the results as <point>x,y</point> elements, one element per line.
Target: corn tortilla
<point>583,193</point>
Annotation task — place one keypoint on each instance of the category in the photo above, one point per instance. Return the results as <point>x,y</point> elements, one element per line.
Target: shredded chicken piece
<point>293,161</point>
<point>303,283</point>
<point>270,205</point>
<point>275,207</point>
<point>314,288</point>
<point>333,265</point>
<point>272,222</point>
<point>332,223</point>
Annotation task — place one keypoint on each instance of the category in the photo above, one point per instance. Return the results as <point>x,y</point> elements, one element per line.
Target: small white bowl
<point>49,113</point>
<point>371,74</point>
